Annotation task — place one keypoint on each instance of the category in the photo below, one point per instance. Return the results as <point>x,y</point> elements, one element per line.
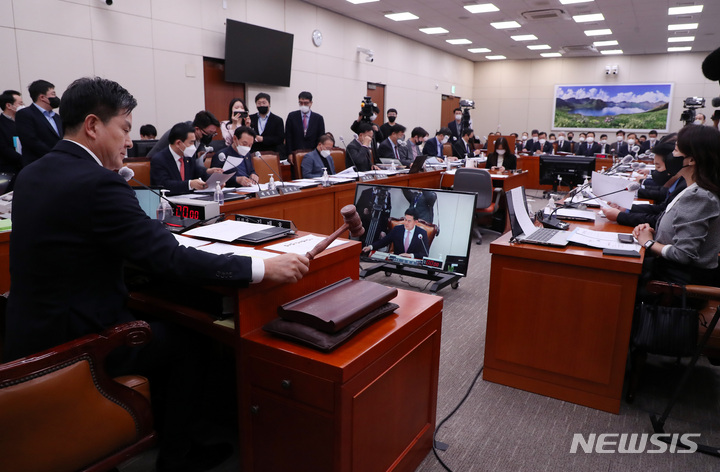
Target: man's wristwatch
<point>648,244</point>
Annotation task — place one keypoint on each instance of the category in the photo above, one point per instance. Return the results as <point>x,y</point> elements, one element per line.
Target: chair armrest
<point>705,292</point>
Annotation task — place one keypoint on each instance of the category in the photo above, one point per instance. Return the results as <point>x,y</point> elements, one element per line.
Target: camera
<point>241,114</point>
<point>467,103</point>
<point>367,108</point>
<point>691,104</point>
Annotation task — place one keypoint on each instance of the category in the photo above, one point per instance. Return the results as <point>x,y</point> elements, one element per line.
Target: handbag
<point>667,331</point>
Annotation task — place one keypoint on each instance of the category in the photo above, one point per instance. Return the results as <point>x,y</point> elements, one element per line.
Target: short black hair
<point>652,131</point>
<point>444,131</point>
<point>326,137</point>
<point>240,130</point>
<point>5,100</point>
<point>467,131</point>
<point>304,95</point>
<point>103,98</point>
<point>364,127</point>
<point>397,128</point>
<point>262,95</point>
<point>204,118</point>
<point>620,132</point>
<point>180,131</point>
<point>39,87</point>
<point>412,212</point>
<point>418,131</point>
<point>603,136</point>
<point>542,132</point>
<point>457,109</point>
<point>12,92</point>
<point>148,130</point>
<point>392,110</point>
<point>534,131</point>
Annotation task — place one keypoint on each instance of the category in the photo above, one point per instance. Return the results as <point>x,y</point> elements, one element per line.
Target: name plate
<point>267,193</point>
<point>289,189</point>
<point>380,176</point>
<point>366,178</point>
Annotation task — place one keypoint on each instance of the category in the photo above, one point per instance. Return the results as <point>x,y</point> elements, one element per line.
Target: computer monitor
<point>141,147</point>
<point>447,217</point>
<point>149,201</point>
<point>573,169</point>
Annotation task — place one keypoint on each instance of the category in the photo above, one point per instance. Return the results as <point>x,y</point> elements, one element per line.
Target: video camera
<point>466,106</point>
<point>367,108</point>
<point>691,104</point>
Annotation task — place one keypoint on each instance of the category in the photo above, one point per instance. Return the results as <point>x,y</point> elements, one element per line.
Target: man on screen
<point>409,240</point>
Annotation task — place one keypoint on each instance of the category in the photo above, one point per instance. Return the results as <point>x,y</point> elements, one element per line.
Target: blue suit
<point>397,236</point>
<point>245,169</point>
<point>431,148</point>
<point>312,165</point>
<point>164,172</point>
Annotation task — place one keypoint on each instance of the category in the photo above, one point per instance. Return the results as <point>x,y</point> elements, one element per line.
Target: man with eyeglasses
<point>206,128</point>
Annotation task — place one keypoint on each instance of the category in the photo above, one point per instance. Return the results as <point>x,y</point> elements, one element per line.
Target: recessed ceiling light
<point>551,54</point>
<point>356,2</point>
<point>479,50</point>
<point>495,58</point>
<point>600,32</point>
<point>685,10</point>
<point>587,18</point>
<point>404,16</point>
<point>570,2</point>
<point>505,24</point>
<point>680,49</point>
<point>481,8</point>
<point>435,30</point>
<point>524,37</point>
<point>458,41</point>
<point>598,44</point>
<point>684,26</point>
<point>537,47</point>
<point>681,39</point>
<point>610,52</point>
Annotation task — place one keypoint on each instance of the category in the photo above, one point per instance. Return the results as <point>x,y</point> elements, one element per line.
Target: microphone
<point>342,141</point>
<point>552,222</point>
<point>350,156</point>
<point>420,237</point>
<point>625,160</point>
<point>259,156</point>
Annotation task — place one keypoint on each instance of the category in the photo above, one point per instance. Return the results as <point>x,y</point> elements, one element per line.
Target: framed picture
<point>636,107</point>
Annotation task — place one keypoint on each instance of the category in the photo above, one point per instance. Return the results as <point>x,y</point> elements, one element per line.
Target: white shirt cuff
<point>665,250</point>
<point>258,270</point>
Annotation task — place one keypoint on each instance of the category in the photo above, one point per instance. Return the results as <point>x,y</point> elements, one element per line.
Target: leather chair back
<point>141,167</point>
<point>447,149</point>
<point>430,229</point>
<point>271,159</point>
<point>338,157</point>
<point>296,161</point>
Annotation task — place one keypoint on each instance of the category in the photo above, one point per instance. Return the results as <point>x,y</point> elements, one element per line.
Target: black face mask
<point>659,177</point>
<point>206,139</point>
<point>263,110</point>
<point>391,119</point>
<point>54,102</point>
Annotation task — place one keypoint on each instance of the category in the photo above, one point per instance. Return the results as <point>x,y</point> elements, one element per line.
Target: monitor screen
<point>257,55</point>
<point>149,201</point>
<point>445,220</point>
<point>572,169</point>
<point>141,147</point>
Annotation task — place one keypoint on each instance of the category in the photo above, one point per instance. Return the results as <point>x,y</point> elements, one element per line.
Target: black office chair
<point>479,181</point>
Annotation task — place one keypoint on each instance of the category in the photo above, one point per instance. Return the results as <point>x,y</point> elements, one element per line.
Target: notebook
<point>522,227</point>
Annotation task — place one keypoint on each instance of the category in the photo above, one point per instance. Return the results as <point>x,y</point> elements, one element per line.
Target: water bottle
<point>392,165</point>
<point>164,210</point>
<point>271,182</point>
<point>218,196</point>
<point>325,178</point>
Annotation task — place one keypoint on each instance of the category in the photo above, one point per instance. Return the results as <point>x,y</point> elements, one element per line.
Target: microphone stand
<point>551,220</point>
<point>357,174</point>
<point>285,188</point>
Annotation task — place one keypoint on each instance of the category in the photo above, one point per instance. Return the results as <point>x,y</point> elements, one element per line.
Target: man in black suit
<point>270,129</point>
<point>359,153</point>
<point>650,142</point>
<point>422,202</point>
<point>38,126</point>
<point>241,157</point>
<point>408,240</point>
<point>464,147</point>
<point>542,145</point>
<point>604,146</point>
<point>67,266</point>
<point>174,168</point>
<point>303,127</point>
<point>620,147</point>
<point>10,159</point>
<point>391,147</point>
<point>588,148</point>
<point>563,145</point>
<point>434,146</point>
<point>455,126</point>
<point>385,128</point>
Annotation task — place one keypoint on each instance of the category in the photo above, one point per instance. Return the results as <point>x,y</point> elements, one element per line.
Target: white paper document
<point>303,244</point>
<point>231,162</point>
<point>189,242</point>
<point>222,248</point>
<point>227,230</point>
<point>349,172</point>
<point>521,214</point>
<point>604,184</point>
<point>600,239</point>
<point>217,177</point>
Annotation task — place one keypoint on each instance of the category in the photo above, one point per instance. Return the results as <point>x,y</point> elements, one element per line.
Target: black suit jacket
<point>459,151</point>
<point>67,266</point>
<point>37,136</point>
<point>587,150</point>
<point>273,134</point>
<point>431,148</point>
<point>165,173</point>
<point>565,147</point>
<point>455,128</point>
<point>385,150</point>
<point>650,214</point>
<point>359,156</point>
<point>295,138</point>
<point>546,148</point>
<point>10,160</point>
<point>509,161</point>
<point>621,149</point>
<point>245,169</point>
<point>604,148</point>
<point>396,236</point>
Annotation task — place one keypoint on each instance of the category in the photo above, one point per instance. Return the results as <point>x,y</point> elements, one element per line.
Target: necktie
<point>182,168</point>
<point>397,156</point>
<point>407,240</point>
<point>305,123</point>
<point>467,148</point>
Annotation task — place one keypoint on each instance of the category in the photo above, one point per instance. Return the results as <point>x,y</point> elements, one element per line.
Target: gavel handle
<point>322,245</point>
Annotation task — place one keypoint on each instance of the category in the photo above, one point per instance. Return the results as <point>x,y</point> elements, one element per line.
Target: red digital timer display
<point>434,263</point>
<point>186,211</point>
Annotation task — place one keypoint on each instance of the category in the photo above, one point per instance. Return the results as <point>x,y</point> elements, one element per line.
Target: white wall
<point>155,49</point>
<point>519,95</point>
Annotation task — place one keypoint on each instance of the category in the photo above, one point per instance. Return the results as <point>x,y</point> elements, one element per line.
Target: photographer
<point>368,113</point>
<point>237,117</point>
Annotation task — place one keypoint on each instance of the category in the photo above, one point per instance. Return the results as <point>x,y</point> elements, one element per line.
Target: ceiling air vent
<point>549,14</point>
<point>578,49</point>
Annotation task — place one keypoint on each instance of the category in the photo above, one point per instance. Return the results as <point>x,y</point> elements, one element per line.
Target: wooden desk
<point>559,321</point>
<point>505,181</point>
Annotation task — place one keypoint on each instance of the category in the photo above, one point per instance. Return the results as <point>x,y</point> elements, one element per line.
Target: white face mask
<point>561,138</point>
<point>445,139</point>
<point>524,137</point>
<point>19,107</point>
<point>243,150</point>
<point>619,139</point>
<point>535,138</point>
<point>603,141</point>
<point>542,141</point>
<point>581,139</point>
<point>500,151</point>
<point>190,151</point>
<point>590,139</point>
<point>552,141</point>
<point>631,141</point>
<point>458,117</point>
<point>325,153</point>
<point>304,108</point>
<point>697,122</point>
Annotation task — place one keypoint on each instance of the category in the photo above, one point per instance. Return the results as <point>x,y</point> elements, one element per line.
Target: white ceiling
<point>640,26</point>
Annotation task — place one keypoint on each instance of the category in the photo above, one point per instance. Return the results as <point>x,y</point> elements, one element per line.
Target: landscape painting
<point>629,107</point>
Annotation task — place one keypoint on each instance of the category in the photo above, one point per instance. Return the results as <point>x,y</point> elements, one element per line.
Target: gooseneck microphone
<point>552,221</point>
<point>259,156</point>
<point>420,237</point>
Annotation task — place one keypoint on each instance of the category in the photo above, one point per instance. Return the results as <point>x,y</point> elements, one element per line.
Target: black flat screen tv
<point>257,55</point>
<point>573,169</point>
<point>447,216</point>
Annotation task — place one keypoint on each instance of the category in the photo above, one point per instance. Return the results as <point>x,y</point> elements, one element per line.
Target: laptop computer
<point>417,164</point>
<point>522,227</point>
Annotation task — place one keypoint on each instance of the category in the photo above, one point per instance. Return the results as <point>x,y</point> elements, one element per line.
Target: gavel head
<point>351,217</point>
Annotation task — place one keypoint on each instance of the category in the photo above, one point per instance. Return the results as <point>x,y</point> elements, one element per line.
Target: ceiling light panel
<point>481,8</point>
<point>434,30</point>
<point>458,41</point>
<point>599,44</point>
<point>599,32</point>
<point>524,37</point>
<point>688,10</point>
<point>479,50</point>
<point>683,26</point>
<point>551,54</point>
<point>588,18</point>
<point>357,2</point>
<point>404,16</point>
<point>505,25</point>
<point>495,58</point>
<point>680,49</point>
<point>681,39</point>
<point>538,47</point>
<point>570,2</point>
<point>611,52</point>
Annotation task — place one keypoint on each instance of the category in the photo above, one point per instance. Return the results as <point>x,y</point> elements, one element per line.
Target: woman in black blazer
<point>502,158</point>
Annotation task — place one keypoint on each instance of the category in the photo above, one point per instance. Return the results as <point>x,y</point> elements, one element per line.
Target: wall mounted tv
<point>257,55</point>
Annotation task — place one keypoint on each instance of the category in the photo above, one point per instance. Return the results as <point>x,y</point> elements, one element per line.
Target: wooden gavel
<point>352,223</point>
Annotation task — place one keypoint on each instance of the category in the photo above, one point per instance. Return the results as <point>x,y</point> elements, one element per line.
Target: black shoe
<point>199,458</point>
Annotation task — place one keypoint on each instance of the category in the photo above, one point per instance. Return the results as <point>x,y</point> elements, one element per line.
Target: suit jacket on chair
<point>36,134</point>
<point>164,172</point>
<point>397,236</point>
<point>273,134</point>
<point>296,138</point>
<point>67,266</point>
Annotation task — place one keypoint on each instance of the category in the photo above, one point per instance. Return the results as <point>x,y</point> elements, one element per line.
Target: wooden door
<point>218,93</point>
<point>377,93</point>
<point>449,103</point>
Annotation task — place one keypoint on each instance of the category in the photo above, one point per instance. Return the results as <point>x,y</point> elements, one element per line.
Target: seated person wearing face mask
<point>604,146</point>
<point>465,146</point>
<point>620,147</point>
<point>174,167</point>
<point>563,145</point>
<point>542,146</point>
<point>633,142</point>
<point>240,156</point>
<point>319,159</point>
<point>501,159</point>
<point>588,148</point>
<point>416,142</point>
<point>433,146</point>
<point>520,143</point>
<point>394,146</point>
<point>205,126</point>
